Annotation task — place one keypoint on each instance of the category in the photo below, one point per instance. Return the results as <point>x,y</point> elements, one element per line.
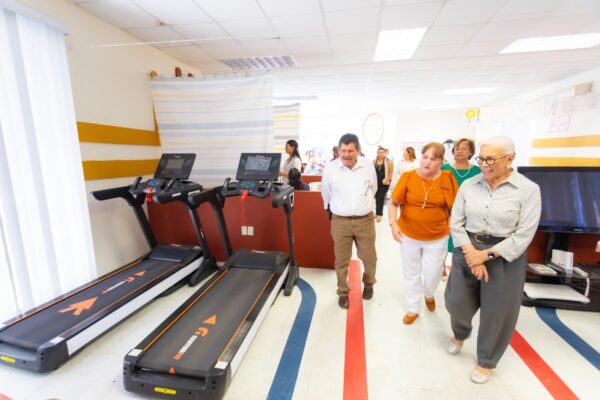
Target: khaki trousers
<point>348,230</point>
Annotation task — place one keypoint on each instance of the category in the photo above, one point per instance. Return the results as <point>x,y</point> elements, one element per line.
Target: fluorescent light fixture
<point>471,90</point>
<point>551,43</point>
<point>398,44</point>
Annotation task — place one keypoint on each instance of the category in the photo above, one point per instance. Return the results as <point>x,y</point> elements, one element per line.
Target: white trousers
<point>422,263</point>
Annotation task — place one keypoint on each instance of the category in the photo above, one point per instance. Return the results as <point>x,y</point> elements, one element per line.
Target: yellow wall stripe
<point>94,169</point>
<point>573,141</point>
<point>97,133</point>
<point>564,162</point>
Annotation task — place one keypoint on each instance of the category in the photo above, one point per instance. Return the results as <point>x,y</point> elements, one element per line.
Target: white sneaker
<point>453,348</point>
<point>479,378</point>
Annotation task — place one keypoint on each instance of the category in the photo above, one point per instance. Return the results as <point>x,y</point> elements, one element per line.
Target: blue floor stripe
<point>284,382</point>
<point>549,316</point>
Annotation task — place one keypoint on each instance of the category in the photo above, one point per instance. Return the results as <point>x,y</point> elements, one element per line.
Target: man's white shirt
<point>349,191</point>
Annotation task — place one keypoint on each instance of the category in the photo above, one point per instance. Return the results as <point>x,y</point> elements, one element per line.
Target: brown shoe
<point>343,302</point>
<point>430,304</point>
<point>368,292</point>
<point>409,319</point>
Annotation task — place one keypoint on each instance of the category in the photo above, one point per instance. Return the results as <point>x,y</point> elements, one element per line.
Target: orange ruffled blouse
<point>429,222</point>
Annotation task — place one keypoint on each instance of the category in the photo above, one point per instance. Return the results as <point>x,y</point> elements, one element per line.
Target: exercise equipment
<point>44,338</point>
<point>196,351</point>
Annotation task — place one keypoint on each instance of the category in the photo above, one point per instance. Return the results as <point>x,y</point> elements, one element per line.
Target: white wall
<point>533,115</point>
<point>110,86</point>
<point>432,126</point>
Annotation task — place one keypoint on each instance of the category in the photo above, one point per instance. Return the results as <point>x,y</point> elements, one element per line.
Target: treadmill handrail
<point>123,192</point>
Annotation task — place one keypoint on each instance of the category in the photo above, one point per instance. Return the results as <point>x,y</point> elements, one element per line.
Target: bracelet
<point>392,222</point>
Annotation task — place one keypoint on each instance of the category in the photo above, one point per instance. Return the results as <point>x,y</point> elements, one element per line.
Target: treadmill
<point>44,338</point>
<point>196,351</point>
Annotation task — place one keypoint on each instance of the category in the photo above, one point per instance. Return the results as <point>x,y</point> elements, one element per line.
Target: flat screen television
<point>570,197</point>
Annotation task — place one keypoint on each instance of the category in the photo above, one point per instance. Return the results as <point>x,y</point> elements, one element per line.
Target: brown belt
<point>355,216</point>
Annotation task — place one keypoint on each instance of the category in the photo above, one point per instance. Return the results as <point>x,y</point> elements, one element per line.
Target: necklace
<point>426,191</point>
<point>458,173</point>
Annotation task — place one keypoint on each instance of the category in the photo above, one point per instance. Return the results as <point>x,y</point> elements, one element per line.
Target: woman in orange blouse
<point>424,197</point>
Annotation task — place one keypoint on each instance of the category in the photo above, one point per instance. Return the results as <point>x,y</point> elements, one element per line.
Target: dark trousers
<point>498,301</point>
<point>380,198</point>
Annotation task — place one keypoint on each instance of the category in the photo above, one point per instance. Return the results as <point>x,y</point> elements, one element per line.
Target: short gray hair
<point>503,143</point>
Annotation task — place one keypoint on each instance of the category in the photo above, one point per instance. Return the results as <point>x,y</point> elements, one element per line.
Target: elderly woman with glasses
<point>494,218</point>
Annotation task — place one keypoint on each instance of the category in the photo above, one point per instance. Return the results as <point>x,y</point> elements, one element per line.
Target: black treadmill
<point>44,338</point>
<point>195,352</point>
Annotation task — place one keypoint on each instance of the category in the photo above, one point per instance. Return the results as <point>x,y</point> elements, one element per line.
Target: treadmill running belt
<point>193,344</point>
<point>85,307</point>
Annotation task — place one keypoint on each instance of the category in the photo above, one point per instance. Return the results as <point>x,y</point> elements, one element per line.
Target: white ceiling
<point>333,43</point>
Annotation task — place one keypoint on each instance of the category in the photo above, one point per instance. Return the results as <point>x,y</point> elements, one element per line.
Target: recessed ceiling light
<point>550,43</point>
<point>471,90</point>
<point>398,44</point>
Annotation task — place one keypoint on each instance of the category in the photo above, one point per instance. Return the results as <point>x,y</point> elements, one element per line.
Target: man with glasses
<point>494,218</point>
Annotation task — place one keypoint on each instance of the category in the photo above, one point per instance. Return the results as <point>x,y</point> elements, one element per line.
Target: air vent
<point>261,62</point>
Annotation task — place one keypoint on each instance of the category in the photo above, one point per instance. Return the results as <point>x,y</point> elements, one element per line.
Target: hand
<point>396,233</point>
<point>480,272</point>
<point>474,256</point>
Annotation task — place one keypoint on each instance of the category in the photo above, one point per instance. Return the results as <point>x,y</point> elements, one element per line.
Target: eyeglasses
<point>489,160</point>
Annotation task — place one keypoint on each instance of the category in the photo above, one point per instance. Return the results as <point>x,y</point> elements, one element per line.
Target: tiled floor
<point>403,362</point>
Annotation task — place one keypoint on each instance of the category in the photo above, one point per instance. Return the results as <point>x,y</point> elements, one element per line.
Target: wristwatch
<point>490,255</point>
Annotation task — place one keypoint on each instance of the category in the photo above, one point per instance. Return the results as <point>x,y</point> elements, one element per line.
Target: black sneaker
<point>368,293</point>
<point>343,302</point>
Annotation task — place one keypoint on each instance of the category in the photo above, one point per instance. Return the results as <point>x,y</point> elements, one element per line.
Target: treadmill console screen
<point>258,167</point>
<point>175,166</point>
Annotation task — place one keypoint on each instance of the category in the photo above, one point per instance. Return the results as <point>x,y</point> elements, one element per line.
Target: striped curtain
<point>286,125</point>
<point>215,118</point>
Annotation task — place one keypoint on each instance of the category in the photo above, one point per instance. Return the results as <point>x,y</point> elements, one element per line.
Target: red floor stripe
<point>552,382</point>
<point>355,363</point>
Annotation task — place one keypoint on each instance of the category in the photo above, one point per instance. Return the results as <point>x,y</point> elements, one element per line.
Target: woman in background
<point>462,170</point>
<point>407,163</point>
<point>295,180</point>
<point>424,198</point>
<point>384,175</point>
<point>293,160</point>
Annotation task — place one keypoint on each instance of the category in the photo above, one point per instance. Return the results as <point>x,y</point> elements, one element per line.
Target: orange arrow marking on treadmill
<point>171,371</point>
<point>80,307</point>
<point>141,273</point>
<point>202,331</point>
<point>130,279</point>
<point>211,321</point>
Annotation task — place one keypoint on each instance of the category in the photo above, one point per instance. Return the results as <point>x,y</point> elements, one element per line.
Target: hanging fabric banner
<point>215,118</point>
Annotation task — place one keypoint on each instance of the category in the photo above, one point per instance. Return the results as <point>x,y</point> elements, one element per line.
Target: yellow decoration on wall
<point>472,113</point>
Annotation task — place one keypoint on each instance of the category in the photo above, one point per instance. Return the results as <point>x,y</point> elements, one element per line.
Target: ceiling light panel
<point>398,44</point>
<point>553,43</point>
